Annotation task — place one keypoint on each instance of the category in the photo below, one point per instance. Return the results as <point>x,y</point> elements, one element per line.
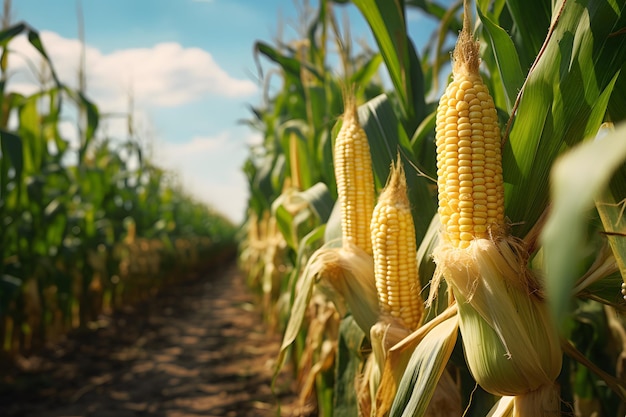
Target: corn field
<point>437,229</point>
<point>86,228</point>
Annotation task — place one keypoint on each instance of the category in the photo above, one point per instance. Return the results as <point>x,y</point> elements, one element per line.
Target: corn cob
<point>511,346</point>
<point>469,161</point>
<point>347,272</point>
<point>394,249</point>
<point>355,179</point>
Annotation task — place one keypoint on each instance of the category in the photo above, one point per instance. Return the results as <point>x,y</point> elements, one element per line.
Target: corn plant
<point>519,238</point>
<point>85,229</point>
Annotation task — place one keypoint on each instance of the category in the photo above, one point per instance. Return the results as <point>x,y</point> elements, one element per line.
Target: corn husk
<point>511,345</point>
<point>346,275</point>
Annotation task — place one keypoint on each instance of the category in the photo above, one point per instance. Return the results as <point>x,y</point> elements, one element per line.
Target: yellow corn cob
<point>469,161</point>
<point>511,346</point>
<point>394,250</point>
<point>355,179</point>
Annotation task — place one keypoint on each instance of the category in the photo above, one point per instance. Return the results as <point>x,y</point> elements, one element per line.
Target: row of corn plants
<point>446,250</point>
<point>86,228</point>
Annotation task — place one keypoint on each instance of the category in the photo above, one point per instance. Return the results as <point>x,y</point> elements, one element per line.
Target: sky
<point>189,67</point>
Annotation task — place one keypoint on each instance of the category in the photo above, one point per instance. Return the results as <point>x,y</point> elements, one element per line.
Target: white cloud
<point>164,75</point>
<point>210,169</point>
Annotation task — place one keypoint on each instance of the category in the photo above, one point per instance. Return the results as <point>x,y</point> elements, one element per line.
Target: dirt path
<point>200,350</point>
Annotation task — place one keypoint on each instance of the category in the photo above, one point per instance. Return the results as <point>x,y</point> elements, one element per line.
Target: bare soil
<point>199,349</point>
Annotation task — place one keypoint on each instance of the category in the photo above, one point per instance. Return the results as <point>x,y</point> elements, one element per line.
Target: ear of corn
<point>511,346</point>
<point>394,250</point>
<point>469,161</point>
<point>355,178</point>
<point>398,288</point>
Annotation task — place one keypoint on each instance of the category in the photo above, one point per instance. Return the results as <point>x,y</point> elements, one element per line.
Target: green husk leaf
<point>427,364</point>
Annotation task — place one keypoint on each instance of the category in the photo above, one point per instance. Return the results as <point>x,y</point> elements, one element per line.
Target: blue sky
<point>190,67</point>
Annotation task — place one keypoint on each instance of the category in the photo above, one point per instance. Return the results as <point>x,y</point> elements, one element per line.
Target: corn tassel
<point>511,346</point>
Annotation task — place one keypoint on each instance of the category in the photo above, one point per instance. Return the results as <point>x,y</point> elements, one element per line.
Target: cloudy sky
<point>189,66</point>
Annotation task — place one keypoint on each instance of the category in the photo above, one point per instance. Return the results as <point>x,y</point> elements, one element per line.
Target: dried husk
<point>347,275</point>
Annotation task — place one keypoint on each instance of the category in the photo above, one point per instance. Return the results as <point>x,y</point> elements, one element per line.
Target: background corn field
<point>86,228</point>
<point>554,69</point>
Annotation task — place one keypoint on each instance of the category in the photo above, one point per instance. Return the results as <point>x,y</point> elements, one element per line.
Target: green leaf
<point>348,367</point>
<point>33,143</point>
<point>386,20</point>
<point>427,364</point>
<point>9,287</point>
<point>303,291</point>
<point>295,143</point>
<point>288,64</point>
<point>11,32</point>
<point>364,74</point>
<point>532,19</point>
<point>12,157</point>
<point>333,226</point>
<point>578,179</point>
<point>506,58</point>
<point>564,100</point>
<point>319,199</point>
<point>387,137</point>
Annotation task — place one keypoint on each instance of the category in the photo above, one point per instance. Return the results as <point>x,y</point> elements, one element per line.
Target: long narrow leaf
<point>578,179</point>
<point>506,58</point>
<point>386,19</point>
<point>387,137</point>
<point>424,369</point>
<point>563,101</point>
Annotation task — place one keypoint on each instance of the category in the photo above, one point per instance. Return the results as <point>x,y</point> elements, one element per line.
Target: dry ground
<point>199,349</point>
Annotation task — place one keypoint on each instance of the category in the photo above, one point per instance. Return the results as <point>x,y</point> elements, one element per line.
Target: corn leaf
<point>427,364</point>
<point>423,142</point>
<point>578,179</point>
<point>364,74</point>
<point>295,143</point>
<point>298,212</point>
<point>11,32</point>
<point>617,103</point>
<point>387,137</point>
<point>302,295</point>
<point>563,101</point>
<point>387,22</point>
<point>12,157</point>
<point>290,65</point>
<point>347,367</point>
<point>319,200</point>
<point>333,226</point>
<point>611,212</point>
<point>531,20</point>
<point>506,58</point>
